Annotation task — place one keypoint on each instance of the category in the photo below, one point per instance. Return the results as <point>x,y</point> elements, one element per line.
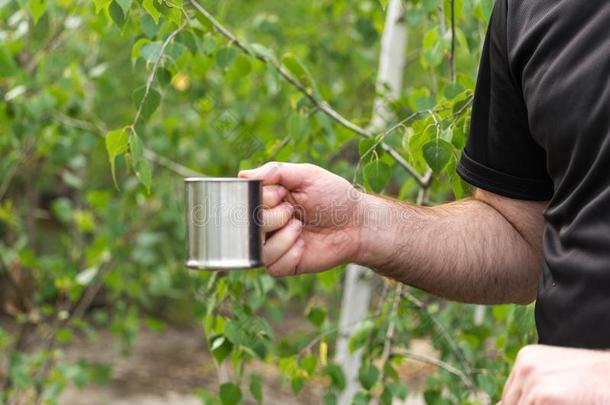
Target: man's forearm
<point>467,250</point>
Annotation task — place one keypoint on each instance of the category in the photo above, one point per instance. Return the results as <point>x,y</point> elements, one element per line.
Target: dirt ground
<point>165,368</point>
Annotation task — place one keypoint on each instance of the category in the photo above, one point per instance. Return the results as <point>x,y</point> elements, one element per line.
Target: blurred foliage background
<point>153,90</point>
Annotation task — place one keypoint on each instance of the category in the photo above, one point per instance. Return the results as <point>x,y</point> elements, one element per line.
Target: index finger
<point>289,175</point>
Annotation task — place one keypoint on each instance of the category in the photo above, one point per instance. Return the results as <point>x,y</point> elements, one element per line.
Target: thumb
<point>289,175</point>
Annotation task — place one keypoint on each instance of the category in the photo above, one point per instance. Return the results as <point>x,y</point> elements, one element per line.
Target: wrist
<point>383,227</point>
<point>367,213</point>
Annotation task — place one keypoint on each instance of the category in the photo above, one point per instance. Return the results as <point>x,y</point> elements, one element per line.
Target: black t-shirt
<point>541,131</point>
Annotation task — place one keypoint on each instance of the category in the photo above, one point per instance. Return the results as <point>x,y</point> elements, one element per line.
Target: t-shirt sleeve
<point>501,156</point>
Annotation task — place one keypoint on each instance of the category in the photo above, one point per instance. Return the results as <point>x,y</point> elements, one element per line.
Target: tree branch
<point>441,328</point>
<point>452,51</point>
<point>322,105</point>
<point>153,71</point>
<point>389,337</point>
<point>100,131</point>
<point>435,362</point>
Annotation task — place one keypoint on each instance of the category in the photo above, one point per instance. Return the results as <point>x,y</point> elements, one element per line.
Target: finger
<point>289,175</point>
<point>512,389</point>
<point>287,264</point>
<point>275,218</point>
<point>273,195</point>
<point>281,241</point>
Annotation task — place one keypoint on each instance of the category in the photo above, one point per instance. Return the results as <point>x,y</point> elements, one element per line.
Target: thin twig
<point>452,51</point>
<point>53,41</point>
<point>389,337</point>
<point>100,131</point>
<point>153,71</point>
<point>322,105</point>
<point>279,147</point>
<point>441,328</point>
<point>397,156</point>
<point>317,338</point>
<point>435,362</point>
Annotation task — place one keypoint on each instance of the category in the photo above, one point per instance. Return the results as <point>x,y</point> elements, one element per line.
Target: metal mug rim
<point>219,180</point>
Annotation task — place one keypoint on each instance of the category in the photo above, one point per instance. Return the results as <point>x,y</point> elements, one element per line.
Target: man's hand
<point>554,375</point>
<point>309,218</point>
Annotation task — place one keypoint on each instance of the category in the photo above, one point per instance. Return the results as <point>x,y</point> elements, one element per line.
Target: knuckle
<point>525,369</point>
<point>273,165</point>
<point>310,167</point>
<point>274,271</point>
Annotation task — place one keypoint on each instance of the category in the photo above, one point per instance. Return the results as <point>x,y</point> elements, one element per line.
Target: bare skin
<point>486,249</point>
<point>547,375</point>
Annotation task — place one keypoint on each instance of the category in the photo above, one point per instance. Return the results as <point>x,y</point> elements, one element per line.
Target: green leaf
<point>452,90</point>
<point>337,377</point>
<point>136,49</point>
<point>361,398</point>
<point>149,27</point>
<point>316,316</point>
<point>208,44</point>
<point>125,5</point>
<point>150,103</point>
<point>399,390</point>
<point>309,364</point>
<point>383,4</point>
<point>221,347</point>
<point>415,15</point>
<point>256,388</point>
<point>63,335</point>
<point>101,5</point>
<point>330,399</point>
<point>371,147</point>
<point>430,5</point>
<point>299,71</point>
<point>437,154</point>
<point>164,76</point>
<point>298,127</point>
<point>386,397</point>
<point>294,66</point>
<point>149,6</point>
<point>225,56</point>
<point>368,375</point>
<point>7,64</point>
<point>296,384</point>
<point>376,175</point>
<point>37,8</point>
<point>117,143</point>
<point>360,335</point>
<point>150,51</point>
<point>264,52</point>
<point>140,163</point>
<point>188,39</point>
<point>117,15</point>
<point>230,394</point>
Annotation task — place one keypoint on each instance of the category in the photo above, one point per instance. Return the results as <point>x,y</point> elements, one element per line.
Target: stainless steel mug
<point>223,223</point>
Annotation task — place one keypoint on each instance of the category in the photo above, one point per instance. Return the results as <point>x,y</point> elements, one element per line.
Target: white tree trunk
<point>357,284</point>
<point>354,308</point>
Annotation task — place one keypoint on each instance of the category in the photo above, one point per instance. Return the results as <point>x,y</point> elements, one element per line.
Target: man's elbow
<point>528,293</point>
